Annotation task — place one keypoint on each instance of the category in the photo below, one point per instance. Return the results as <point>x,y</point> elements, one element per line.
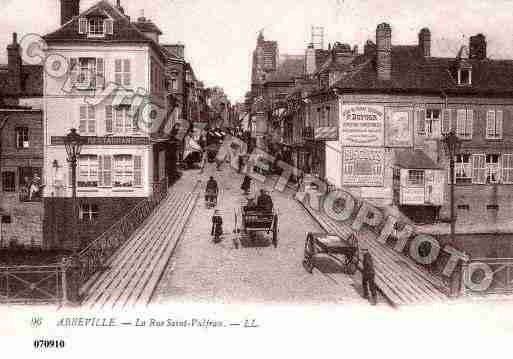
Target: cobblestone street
<point>202,271</point>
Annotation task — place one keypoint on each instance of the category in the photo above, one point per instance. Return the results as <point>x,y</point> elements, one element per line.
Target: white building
<point>114,86</point>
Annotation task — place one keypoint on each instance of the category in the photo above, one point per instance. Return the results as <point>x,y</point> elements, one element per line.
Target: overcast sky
<point>220,35</point>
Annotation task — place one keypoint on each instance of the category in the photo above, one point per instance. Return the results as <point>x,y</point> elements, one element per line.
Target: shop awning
<point>414,159</point>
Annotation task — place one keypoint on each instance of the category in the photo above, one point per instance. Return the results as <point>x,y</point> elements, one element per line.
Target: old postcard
<point>256,178</point>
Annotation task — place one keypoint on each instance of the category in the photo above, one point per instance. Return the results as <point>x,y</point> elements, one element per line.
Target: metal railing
<point>95,256</point>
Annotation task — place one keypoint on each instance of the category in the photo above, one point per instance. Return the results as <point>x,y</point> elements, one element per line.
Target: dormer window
<point>95,26</point>
<point>465,76</point>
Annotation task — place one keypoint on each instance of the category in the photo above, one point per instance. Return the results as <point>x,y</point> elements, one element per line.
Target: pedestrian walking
<point>217,226</point>
<point>240,163</point>
<point>204,158</point>
<point>368,277</point>
<point>246,184</point>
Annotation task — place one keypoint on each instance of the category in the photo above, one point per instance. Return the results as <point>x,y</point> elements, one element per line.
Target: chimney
<point>14,65</point>
<point>141,17</point>
<point>384,49</point>
<point>69,9</point>
<point>119,7</point>
<point>425,42</point>
<point>369,49</point>
<point>477,47</point>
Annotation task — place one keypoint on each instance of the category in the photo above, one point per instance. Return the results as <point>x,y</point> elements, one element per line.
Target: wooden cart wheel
<point>275,231</point>
<point>351,268</point>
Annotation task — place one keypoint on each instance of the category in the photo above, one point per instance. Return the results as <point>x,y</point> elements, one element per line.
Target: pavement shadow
<point>327,264</point>
<point>256,241</point>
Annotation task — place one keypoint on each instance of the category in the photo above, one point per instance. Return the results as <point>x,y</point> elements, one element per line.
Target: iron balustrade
<point>94,257</point>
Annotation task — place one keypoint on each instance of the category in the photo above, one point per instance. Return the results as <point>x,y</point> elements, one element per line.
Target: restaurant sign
<point>107,140</point>
<point>362,125</point>
<point>363,167</point>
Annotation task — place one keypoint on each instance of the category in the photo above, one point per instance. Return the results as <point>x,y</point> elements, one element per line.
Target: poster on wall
<point>398,128</point>
<point>412,195</point>
<point>362,125</point>
<point>363,167</point>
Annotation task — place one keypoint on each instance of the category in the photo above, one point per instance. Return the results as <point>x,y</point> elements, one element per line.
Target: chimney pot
<point>477,47</point>
<point>425,42</point>
<point>14,38</point>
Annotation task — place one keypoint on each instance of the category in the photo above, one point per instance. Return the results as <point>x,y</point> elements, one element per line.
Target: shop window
<point>8,182</point>
<point>492,168</point>
<point>89,212</point>
<point>462,169</point>
<point>415,178</point>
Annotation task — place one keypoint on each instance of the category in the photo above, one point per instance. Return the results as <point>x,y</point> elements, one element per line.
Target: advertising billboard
<point>399,128</point>
<point>362,125</point>
<point>363,166</point>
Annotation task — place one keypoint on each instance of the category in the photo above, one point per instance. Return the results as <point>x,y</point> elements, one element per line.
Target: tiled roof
<point>147,26</point>
<point>288,69</point>
<point>413,72</point>
<point>124,30</point>
<point>414,159</point>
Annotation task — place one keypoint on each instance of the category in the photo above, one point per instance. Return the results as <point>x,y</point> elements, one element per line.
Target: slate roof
<point>289,68</point>
<point>31,81</point>
<point>147,26</point>
<point>124,30</point>
<point>413,72</point>
<point>414,159</point>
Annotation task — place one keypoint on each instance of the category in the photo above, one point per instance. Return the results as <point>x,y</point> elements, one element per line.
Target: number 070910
<point>49,343</point>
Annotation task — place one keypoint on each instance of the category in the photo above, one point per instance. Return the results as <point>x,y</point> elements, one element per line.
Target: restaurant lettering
<point>109,140</point>
<point>362,125</point>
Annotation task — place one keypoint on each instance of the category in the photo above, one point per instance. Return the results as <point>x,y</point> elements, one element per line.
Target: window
<point>87,175</point>
<point>464,123</point>
<point>87,72</point>
<point>6,219</point>
<point>462,169</point>
<point>87,125</point>
<point>29,181</point>
<point>492,207</point>
<point>494,124</point>
<point>479,168</point>
<point>432,123</point>
<point>22,137</point>
<point>123,120</point>
<point>507,168</point>
<point>88,212</point>
<point>465,76</point>
<point>492,168</point>
<point>122,74</point>
<point>415,178</point>
<point>123,171</point>
<point>174,84</point>
<point>465,207</point>
<point>96,27</point>
<point>8,181</point>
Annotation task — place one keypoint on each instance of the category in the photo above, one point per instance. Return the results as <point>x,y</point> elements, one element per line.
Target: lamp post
<point>73,143</point>
<point>452,145</point>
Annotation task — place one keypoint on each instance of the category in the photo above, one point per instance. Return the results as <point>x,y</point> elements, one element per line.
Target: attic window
<point>95,26</point>
<point>465,76</point>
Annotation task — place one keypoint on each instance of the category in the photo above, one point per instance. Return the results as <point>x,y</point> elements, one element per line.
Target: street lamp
<point>73,143</point>
<point>452,145</point>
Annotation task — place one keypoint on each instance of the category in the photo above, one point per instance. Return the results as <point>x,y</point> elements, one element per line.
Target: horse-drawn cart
<point>344,251</point>
<point>250,220</point>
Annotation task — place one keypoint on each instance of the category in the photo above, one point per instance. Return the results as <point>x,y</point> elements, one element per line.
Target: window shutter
<point>490,123</point>
<point>73,70</point>
<point>100,171</point>
<point>108,118</point>
<point>100,73</point>
<point>118,119</point>
<point>137,171</point>
<point>498,123</point>
<point>478,169</point>
<point>420,116</point>
<point>107,171</point>
<point>133,116</point>
<point>446,121</point>
<point>507,168</point>
<point>82,127</point>
<point>108,24</point>
<point>118,69</point>
<point>91,123</point>
<point>126,72</point>
<point>82,25</point>
<point>469,126</point>
<point>461,116</point>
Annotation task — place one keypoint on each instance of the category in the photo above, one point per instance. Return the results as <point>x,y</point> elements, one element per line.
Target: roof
<point>414,159</point>
<point>147,26</point>
<point>413,72</point>
<point>31,81</point>
<point>124,30</point>
<point>289,68</point>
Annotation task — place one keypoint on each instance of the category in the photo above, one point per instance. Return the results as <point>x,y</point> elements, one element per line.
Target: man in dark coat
<point>368,277</point>
<point>246,184</point>
<point>211,190</point>
<point>265,201</point>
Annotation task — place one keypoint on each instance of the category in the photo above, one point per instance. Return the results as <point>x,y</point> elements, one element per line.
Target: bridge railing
<point>95,256</point>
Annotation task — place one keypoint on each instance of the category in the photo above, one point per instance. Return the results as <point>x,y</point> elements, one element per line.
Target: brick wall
<point>57,222</point>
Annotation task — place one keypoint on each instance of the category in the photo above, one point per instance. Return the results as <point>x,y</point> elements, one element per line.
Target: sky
<point>220,35</point>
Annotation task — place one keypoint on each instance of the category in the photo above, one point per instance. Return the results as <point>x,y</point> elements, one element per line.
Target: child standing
<point>217,226</point>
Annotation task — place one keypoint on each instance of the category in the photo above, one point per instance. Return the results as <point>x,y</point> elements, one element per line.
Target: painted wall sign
<point>362,125</point>
<point>363,167</point>
<point>399,128</point>
<point>108,140</point>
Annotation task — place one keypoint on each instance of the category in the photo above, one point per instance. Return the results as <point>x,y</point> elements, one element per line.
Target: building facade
<point>115,95</point>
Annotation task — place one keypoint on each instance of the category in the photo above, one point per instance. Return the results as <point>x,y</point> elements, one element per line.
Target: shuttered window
<point>122,70</point>
<point>82,25</point>
<point>494,120</point>
<point>108,119</point>
<point>105,171</point>
<point>478,168</point>
<point>87,174</point>
<point>432,126</point>
<point>507,168</point>
<point>87,124</point>
<point>123,121</point>
<point>420,118</point>
<point>446,121</point>
<point>464,123</point>
<point>109,26</point>
<point>137,171</point>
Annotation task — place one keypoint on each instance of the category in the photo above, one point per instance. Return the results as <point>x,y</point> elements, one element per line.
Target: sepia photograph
<point>256,178</point>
